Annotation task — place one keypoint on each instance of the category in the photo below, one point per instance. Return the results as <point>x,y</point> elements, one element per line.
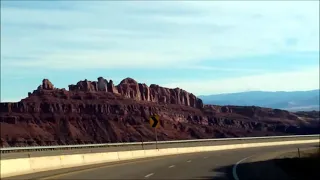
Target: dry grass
<point>304,167</point>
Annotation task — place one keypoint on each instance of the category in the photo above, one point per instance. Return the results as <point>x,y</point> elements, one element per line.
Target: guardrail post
<point>142,142</point>
<point>155,129</point>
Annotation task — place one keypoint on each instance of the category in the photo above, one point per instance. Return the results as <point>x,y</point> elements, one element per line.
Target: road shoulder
<point>259,167</point>
<point>303,164</point>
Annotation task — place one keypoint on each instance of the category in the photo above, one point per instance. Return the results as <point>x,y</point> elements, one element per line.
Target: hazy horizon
<point>261,91</point>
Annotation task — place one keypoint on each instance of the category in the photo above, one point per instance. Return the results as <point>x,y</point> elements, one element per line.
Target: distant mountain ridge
<point>292,101</point>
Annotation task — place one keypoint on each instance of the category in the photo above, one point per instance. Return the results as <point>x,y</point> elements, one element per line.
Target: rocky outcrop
<point>129,88</point>
<point>46,85</point>
<point>100,112</point>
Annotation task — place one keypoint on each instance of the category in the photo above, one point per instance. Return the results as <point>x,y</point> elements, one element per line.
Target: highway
<point>218,165</point>
<point>15,155</point>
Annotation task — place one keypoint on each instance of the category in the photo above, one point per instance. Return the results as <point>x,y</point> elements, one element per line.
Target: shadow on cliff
<point>303,168</point>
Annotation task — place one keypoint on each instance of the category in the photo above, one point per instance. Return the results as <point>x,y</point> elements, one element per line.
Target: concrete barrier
<point>96,157</point>
<point>125,155</point>
<point>50,162</point>
<point>138,154</point>
<point>12,167</point>
<point>71,160</point>
<point>152,153</point>
<point>172,151</point>
<point>163,152</point>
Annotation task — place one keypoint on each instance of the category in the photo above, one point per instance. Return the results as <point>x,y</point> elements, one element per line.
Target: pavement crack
<point>148,175</point>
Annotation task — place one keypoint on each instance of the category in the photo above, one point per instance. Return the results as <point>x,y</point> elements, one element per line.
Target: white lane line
<point>234,168</point>
<point>149,175</point>
<point>189,161</point>
<point>171,166</point>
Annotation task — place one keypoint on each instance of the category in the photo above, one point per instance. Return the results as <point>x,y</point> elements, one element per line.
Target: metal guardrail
<point>88,146</point>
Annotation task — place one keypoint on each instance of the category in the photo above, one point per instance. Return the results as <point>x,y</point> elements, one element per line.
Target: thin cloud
<point>180,36</point>
<point>305,79</point>
<point>213,68</point>
<point>114,35</point>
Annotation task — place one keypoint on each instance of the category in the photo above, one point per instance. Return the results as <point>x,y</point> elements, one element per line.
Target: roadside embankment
<point>302,164</point>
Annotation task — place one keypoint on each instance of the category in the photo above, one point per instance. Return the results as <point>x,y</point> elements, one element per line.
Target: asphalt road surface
<point>216,165</point>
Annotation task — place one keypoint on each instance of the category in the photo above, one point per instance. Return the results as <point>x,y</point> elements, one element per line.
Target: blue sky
<point>204,47</point>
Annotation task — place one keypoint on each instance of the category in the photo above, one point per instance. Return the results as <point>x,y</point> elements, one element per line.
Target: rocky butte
<point>101,112</point>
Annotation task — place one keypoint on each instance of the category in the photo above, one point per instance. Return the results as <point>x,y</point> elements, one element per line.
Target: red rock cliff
<point>129,88</point>
<point>100,112</point>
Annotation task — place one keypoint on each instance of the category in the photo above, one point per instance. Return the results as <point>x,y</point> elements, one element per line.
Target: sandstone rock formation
<point>100,112</point>
<point>46,84</point>
<point>129,88</point>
